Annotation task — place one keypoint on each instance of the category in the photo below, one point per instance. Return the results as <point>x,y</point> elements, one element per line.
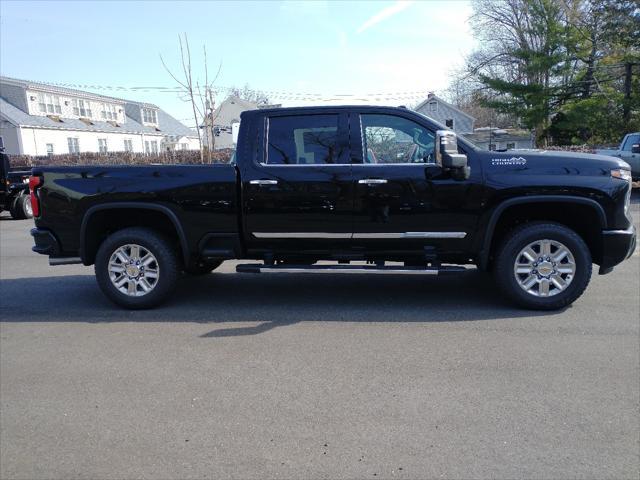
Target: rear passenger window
<point>304,140</point>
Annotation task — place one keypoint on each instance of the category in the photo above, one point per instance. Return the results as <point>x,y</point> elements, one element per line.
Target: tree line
<point>566,69</point>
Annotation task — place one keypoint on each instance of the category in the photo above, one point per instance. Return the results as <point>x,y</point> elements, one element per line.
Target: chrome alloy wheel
<point>133,270</point>
<point>544,268</point>
<point>28,209</point>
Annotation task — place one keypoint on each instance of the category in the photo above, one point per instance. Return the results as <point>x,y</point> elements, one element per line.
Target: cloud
<point>385,13</point>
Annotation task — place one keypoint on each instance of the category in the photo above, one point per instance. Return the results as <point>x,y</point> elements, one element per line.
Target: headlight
<point>622,174</point>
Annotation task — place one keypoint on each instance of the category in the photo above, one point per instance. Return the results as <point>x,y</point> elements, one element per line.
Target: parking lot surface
<point>301,376</point>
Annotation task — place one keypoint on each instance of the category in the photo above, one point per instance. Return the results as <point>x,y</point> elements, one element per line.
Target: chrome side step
<point>387,270</point>
<point>54,261</point>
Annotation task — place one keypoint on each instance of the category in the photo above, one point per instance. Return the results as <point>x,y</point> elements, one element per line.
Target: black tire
<point>156,244</point>
<point>202,268</point>
<point>14,210</point>
<point>520,238</point>
<point>21,207</point>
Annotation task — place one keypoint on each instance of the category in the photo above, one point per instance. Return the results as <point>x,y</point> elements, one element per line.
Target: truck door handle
<point>263,182</point>
<point>372,181</point>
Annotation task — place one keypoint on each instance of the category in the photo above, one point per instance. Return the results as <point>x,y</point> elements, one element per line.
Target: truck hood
<point>548,159</point>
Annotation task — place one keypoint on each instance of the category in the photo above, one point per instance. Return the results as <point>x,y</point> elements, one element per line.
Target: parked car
<point>629,151</point>
<point>345,184</point>
<point>14,189</point>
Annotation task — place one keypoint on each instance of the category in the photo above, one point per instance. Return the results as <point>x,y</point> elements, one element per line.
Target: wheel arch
<point>508,209</point>
<point>91,238</point>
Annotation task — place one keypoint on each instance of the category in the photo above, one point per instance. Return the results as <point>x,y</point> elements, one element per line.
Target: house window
<point>81,108</point>
<point>49,103</point>
<point>128,145</point>
<point>449,122</point>
<point>492,146</point>
<point>432,106</point>
<point>149,115</point>
<point>49,148</point>
<point>102,145</point>
<point>74,147</point>
<point>109,112</point>
<point>511,146</point>
<point>183,146</point>
<point>150,146</point>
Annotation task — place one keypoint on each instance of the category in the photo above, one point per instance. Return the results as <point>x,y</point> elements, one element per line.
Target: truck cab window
<point>391,139</point>
<point>631,140</point>
<point>304,140</point>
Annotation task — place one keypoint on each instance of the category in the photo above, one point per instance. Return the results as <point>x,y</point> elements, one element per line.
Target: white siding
<point>35,140</point>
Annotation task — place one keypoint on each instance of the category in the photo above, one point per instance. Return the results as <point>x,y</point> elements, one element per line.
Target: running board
<point>54,261</point>
<point>390,270</point>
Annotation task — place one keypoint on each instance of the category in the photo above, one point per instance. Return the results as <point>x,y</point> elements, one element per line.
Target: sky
<point>300,53</point>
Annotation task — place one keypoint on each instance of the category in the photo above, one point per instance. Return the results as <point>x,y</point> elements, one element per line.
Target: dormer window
<point>81,108</point>
<point>49,103</point>
<point>149,115</point>
<point>109,112</point>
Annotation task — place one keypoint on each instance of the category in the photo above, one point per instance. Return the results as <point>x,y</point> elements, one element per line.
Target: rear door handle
<point>372,181</point>
<point>263,182</point>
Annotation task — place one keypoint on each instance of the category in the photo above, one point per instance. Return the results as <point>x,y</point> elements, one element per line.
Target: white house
<point>221,121</point>
<point>41,119</point>
<point>225,120</point>
<point>447,114</point>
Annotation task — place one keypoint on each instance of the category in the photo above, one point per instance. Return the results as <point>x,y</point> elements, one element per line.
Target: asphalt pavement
<point>299,376</point>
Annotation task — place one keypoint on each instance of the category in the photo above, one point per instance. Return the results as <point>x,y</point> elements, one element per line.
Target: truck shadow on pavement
<point>267,301</point>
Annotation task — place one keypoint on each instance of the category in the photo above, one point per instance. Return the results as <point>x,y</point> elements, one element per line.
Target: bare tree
<point>201,97</point>
<point>249,94</point>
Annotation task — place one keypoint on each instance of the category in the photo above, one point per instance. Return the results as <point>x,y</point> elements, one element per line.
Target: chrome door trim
<point>300,235</point>
<point>410,235</point>
<point>263,182</point>
<point>372,181</point>
<point>370,236</point>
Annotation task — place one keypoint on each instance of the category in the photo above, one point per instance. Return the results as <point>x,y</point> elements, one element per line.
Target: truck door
<point>626,153</point>
<point>404,201</point>
<point>298,191</point>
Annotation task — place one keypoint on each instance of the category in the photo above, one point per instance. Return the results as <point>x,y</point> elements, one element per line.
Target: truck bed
<point>203,198</point>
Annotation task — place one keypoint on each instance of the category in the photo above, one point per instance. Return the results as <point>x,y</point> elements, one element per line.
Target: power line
<point>275,94</point>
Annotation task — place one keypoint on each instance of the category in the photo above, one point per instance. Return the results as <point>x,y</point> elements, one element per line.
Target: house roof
<point>230,109</point>
<point>46,87</point>
<point>432,96</point>
<point>166,123</point>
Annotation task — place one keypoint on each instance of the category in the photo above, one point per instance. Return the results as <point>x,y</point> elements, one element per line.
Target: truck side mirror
<point>447,155</point>
<point>635,148</point>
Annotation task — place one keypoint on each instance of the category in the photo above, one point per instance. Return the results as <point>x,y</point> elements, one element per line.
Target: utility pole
<point>626,104</point>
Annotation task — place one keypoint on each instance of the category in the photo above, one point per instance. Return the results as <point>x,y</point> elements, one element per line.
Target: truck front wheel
<point>136,268</point>
<point>543,266</point>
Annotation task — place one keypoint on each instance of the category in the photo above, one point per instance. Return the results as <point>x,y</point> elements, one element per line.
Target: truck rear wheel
<point>543,266</point>
<point>21,207</point>
<point>136,268</point>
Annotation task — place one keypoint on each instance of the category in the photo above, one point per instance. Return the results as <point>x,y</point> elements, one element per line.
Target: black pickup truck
<point>362,189</point>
